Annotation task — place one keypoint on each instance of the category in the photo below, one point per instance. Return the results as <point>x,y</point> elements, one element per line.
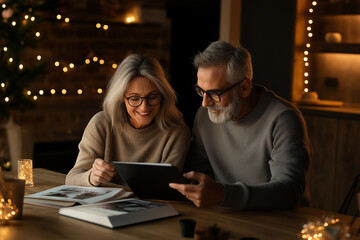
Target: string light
<point>65,67</point>
<point>130,19</point>
<point>308,45</point>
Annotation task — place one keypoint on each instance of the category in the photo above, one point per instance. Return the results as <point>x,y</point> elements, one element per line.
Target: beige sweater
<point>149,144</point>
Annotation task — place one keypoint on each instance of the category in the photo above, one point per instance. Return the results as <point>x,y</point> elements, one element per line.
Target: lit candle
<point>25,171</point>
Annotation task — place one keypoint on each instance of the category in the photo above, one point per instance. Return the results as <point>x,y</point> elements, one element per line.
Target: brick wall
<point>59,117</point>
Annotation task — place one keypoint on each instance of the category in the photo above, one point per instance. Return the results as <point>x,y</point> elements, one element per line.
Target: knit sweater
<point>262,160</point>
<point>149,144</point>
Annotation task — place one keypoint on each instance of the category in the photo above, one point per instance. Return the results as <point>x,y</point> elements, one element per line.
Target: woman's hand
<point>101,172</point>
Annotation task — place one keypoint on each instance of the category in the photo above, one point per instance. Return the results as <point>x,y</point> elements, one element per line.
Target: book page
<point>81,195</point>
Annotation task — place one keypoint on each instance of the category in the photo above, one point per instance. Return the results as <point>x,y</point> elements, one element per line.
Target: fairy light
<point>65,66</point>
<point>130,19</point>
<point>4,5</point>
<point>308,45</point>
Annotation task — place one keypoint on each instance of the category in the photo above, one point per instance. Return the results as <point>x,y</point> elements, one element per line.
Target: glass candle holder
<point>25,171</point>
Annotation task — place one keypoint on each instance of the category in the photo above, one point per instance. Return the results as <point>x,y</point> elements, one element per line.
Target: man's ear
<point>245,88</point>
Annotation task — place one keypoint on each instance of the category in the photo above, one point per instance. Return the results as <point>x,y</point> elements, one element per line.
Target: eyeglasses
<point>152,100</point>
<point>214,95</point>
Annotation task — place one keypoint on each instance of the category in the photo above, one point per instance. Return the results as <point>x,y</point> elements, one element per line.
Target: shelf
<point>352,48</point>
<point>339,8</point>
<point>348,111</point>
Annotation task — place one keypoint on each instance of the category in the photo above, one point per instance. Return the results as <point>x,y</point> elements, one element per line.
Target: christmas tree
<point>18,68</point>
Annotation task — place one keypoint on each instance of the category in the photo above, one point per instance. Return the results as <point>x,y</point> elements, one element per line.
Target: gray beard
<point>227,113</point>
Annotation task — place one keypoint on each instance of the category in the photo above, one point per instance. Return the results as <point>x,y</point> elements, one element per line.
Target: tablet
<point>151,180</point>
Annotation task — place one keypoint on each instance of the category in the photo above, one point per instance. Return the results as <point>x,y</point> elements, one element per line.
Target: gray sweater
<point>262,160</point>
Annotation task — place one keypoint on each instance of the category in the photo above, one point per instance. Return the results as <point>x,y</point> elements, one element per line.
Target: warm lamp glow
<point>130,19</point>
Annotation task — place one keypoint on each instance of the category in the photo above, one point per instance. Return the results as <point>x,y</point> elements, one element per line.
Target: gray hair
<point>237,60</point>
<point>140,66</point>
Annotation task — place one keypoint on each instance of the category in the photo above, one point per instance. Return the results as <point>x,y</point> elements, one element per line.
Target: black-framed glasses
<point>214,95</point>
<point>152,100</point>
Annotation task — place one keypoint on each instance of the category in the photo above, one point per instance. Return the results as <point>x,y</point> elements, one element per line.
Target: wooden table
<point>45,223</point>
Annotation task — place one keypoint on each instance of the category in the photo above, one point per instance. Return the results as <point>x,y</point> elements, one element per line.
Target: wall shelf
<point>325,47</point>
<point>340,8</point>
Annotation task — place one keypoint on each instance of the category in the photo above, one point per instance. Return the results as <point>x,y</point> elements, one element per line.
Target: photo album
<point>67,195</point>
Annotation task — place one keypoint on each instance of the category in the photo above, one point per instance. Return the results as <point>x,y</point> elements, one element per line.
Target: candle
<point>25,171</point>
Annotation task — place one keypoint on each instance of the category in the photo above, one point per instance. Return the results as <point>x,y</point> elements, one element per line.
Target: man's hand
<point>101,172</point>
<point>206,193</point>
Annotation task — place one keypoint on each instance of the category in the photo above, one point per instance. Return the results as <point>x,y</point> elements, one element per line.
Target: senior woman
<point>139,123</point>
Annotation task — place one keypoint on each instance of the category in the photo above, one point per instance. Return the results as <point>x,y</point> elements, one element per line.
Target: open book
<point>120,213</point>
<point>67,195</point>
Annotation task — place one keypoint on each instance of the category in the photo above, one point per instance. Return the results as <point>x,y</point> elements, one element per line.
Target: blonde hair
<point>140,66</point>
